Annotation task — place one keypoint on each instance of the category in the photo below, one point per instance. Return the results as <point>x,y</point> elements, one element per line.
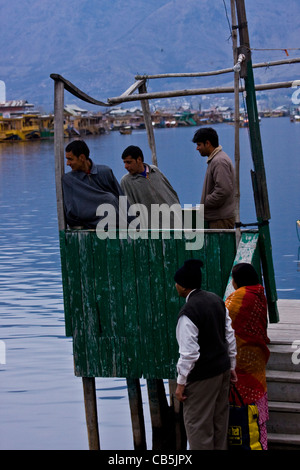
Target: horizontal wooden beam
<point>133,87</point>
<point>76,91</point>
<point>127,96</point>
<point>217,72</point>
<point>196,91</point>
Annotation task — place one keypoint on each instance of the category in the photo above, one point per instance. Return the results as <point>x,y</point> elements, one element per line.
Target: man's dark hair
<point>78,147</point>
<point>206,133</point>
<point>134,152</point>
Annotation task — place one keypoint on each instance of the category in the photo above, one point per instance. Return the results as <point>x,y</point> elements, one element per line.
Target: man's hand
<point>180,393</point>
<point>233,376</point>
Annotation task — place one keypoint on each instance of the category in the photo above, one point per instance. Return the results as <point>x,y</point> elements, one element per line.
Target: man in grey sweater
<point>145,184</point>
<point>218,187</point>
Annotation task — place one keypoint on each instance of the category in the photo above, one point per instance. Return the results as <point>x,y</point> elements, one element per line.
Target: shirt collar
<point>149,169</point>
<point>93,170</point>
<point>213,153</point>
<point>188,296</point>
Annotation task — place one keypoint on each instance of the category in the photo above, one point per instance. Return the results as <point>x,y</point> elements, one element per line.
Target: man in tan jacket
<point>218,187</point>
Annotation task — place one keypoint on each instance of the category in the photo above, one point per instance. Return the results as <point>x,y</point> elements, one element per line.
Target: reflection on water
<point>41,402</point>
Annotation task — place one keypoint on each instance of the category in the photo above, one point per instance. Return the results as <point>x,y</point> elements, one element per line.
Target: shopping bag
<point>243,429</point>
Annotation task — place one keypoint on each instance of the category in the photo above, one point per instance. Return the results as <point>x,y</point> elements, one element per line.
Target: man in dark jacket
<point>87,187</point>
<point>206,364</point>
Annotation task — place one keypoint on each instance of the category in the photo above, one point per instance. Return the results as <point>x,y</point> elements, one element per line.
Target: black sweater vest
<point>207,311</point>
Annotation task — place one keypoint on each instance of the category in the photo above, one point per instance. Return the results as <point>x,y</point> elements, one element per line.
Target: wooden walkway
<point>287,330</point>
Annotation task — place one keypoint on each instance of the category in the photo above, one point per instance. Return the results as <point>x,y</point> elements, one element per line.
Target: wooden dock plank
<point>287,330</point>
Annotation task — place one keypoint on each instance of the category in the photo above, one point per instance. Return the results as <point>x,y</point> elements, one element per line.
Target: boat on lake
<point>126,130</point>
<point>25,127</point>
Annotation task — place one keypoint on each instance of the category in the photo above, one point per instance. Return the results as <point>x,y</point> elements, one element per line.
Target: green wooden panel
<point>121,304</point>
<point>213,263</point>
<point>65,283</point>
<point>147,338</point>
<point>227,243</point>
<point>132,327</point>
<point>90,311</point>
<point>158,308</point>
<point>173,303</point>
<point>75,303</point>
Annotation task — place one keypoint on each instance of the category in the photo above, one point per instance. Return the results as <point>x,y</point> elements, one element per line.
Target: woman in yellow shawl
<point>247,307</point>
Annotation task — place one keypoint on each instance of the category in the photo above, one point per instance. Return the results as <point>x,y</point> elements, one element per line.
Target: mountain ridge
<point>100,45</point>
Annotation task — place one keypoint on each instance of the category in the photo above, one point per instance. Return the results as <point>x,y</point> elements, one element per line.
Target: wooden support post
<point>258,176</point>
<point>161,416</point>
<point>137,415</point>
<point>148,124</point>
<point>89,390</point>
<point>176,406</point>
<point>236,122</point>
<point>59,149</point>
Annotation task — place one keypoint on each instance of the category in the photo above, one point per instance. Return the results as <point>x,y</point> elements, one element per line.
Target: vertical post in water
<point>59,149</point>
<point>137,415</point>
<point>258,175</point>
<point>236,122</point>
<point>89,388</point>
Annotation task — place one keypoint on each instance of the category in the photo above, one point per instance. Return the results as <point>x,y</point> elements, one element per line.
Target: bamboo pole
<point>59,149</point>
<point>258,176</point>
<point>196,91</point>
<point>148,123</point>
<point>236,122</point>
<point>165,94</point>
<point>216,72</point>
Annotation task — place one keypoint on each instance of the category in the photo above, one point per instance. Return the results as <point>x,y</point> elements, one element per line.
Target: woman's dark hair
<point>78,147</point>
<point>244,274</point>
<point>206,133</point>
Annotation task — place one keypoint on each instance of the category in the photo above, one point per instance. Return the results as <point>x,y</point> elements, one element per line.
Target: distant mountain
<point>100,45</point>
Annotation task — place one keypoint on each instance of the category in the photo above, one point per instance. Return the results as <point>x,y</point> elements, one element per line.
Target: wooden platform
<point>287,330</point>
<point>283,378</point>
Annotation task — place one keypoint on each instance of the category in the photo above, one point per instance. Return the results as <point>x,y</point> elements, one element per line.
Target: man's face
<point>203,148</point>
<point>180,290</point>
<point>75,163</point>
<point>133,166</point>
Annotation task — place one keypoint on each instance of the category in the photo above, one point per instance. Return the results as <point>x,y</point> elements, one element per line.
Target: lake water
<point>41,402</point>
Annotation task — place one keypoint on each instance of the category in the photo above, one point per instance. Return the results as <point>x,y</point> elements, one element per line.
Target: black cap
<point>189,275</point>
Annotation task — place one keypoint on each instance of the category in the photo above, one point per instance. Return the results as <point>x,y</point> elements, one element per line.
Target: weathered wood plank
<point>137,414</point>
<point>75,302</point>
<point>91,413</point>
<point>213,263</point>
<point>65,283</point>
<point>196,91</point>
<point>90,312</point>
<point>158,302</point>
<point>227,243</point>
<point>170,266</point>
<point>59,150</point>
<point>124,304</point>
<point>163,432</point>
<point>144,307</point>
<point>132,329</point>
